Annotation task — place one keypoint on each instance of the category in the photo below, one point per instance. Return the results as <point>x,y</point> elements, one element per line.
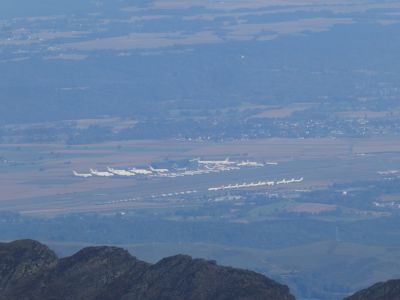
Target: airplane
<point>141,171</point>
<point>389,172</point>
<point>158,170</point>
<point>250,164</point>
<point>101,174</point>
<point>82,175</point>
<point>215,162</point>
<point>298,180</point>
<point>120,172</point>
<point>283,181</point>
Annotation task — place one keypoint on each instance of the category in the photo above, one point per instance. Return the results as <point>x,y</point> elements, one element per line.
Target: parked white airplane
<point>243,185</point>
<point>216,162</point>
<point>120,172</point>
<point>389,172</point>
<point>82,175</point>
<point>159,170</point>
<point>250,164</point>
<point>101,174</point>
<point>283,181</point>
<point>141,171</point>
<point>293,180</point>
<point>298,180</point>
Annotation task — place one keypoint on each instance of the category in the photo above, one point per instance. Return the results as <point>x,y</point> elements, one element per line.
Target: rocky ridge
<point>389,290</point>
<point>30,270</point>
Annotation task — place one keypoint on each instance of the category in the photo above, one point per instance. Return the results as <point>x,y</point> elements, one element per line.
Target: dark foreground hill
<point>389,290</point>
<point>29,270</point>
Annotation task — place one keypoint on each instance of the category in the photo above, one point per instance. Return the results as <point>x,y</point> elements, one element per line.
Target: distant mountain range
<point>30,270</point>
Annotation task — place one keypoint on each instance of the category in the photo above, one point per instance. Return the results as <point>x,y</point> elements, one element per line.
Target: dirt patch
<point>312,208</point>
<point>390,198</point>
